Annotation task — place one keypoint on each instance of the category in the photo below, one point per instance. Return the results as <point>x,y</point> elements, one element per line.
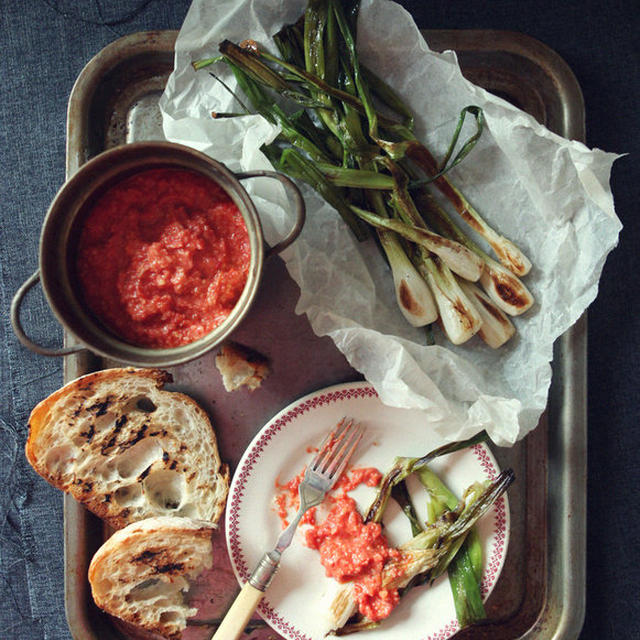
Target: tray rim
<point>566,577</point>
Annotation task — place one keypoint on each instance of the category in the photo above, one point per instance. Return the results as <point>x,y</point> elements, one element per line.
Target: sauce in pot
<point>163,257</point>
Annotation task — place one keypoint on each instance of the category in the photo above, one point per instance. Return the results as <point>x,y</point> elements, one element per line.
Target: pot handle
<point>17,326</point>
<point>300,209</point>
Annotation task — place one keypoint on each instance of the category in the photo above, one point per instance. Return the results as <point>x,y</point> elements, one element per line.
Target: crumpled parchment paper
<point>549,195</point>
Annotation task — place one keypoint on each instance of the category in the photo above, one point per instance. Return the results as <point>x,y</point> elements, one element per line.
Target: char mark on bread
<point>128,449</point>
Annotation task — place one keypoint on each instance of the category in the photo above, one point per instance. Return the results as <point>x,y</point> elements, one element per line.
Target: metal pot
<point>62,222</point>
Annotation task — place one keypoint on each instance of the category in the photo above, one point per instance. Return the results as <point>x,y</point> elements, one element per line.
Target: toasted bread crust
<point>241,366</point>
<point>127,449</point>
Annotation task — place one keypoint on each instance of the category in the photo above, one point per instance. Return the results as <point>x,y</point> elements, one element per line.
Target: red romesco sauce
<point>163,257</point>
<point>350,550</point>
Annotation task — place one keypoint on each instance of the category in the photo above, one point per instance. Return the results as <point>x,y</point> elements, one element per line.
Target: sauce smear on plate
<point>350,550</point>
<point>163,257</point>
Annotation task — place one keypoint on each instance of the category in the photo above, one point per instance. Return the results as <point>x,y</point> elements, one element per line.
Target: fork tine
<point>337,438</point>
<point>327,438</point>
<point>340,461</point>
<point>329,444</point>
<point>338,446</point>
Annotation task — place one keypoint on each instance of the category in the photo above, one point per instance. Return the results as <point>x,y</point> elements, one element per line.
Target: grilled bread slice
<point>127,449</point>
<point>141,572</point>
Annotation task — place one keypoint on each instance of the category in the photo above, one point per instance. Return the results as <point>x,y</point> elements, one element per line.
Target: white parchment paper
<point>549,195</point>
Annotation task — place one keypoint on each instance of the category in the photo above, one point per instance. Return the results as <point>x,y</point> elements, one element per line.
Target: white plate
<point>295,604</point>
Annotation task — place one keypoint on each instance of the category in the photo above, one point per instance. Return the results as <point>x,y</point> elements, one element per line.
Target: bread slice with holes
<point>128,449</point>
<point>140,574</point>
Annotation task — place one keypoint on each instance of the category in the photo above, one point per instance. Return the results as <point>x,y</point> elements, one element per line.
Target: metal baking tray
<point>541,592</point>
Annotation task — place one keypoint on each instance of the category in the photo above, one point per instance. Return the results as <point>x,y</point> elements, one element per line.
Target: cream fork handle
<point>236,619</point>
<point>239,614</point>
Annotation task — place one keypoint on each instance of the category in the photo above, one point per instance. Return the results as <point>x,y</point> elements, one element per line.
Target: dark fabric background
<point>44,46</point>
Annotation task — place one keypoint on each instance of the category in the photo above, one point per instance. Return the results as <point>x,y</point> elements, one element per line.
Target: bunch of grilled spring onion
<point>370,167</point>
<point>446,543</point>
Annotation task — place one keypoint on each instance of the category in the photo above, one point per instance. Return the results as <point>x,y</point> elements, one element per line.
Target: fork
<point>320,476</point>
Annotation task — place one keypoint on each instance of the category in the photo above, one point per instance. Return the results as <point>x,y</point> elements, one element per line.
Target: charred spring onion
<point>447,543</point>
<point>462,557</point>
<point>465,569</point>
<point>349,136</point>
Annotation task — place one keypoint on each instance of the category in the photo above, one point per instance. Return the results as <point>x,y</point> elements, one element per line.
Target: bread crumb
<point>241,366</point>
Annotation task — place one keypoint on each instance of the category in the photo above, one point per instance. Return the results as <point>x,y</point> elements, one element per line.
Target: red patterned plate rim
<point>493,562</point>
